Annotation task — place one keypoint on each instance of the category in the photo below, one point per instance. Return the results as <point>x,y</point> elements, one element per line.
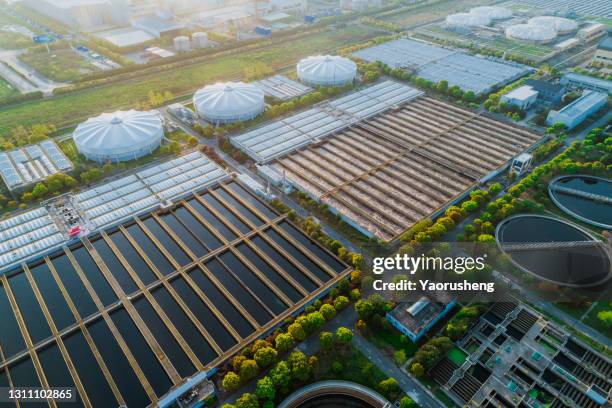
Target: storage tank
<point>181,43</point>
<point>532,33</point>
<point>200,40</point>
<point>229,102</point>
<point>119,136</point>
<point>462,20</point>
<point>492,12</point>
<point>326,70</point>
<point>559,24</point>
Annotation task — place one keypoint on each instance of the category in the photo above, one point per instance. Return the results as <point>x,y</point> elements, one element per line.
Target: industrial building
<point>182,43</point>
<point>435,63</point>
<point>282,88</point>
<point>578,81</point>
<point>591,31</point>
<point>603,55</point>
<point>27,165</point>
<point>415,319</point>
<point>576,112</point>
<point>157,26</point>
<point>523,97</point>
<point>593,8</point>
<point>515,357</point>
<point>83,14</point>
<point>129,313</point>
<point>229,102</point>
<point>222,16</point>
<point>547,91</point>
<point>326,70</point>
<point>385,157</point>
<point>477,17</point>
<point>119,136</point>
<point>124,37</point>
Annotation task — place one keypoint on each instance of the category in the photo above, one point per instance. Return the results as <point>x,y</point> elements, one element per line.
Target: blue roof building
<point>576,112</point>
<point>417,318</point>
<point>587,82</point>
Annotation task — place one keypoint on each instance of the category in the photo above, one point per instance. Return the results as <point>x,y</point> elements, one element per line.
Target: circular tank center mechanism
<point>228,88</point>
<point>116,120</point>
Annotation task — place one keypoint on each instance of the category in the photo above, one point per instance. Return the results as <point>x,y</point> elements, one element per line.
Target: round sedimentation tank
<point>460,20</point>
<point>334,394</point>
<point>554,250</point>
<point>492,12</point>
<point>532,33</point>
<point>326,70</point>
<point>119,136</point>
<point>559,24</point>
<point>229,102</point>
<point>587,198</point>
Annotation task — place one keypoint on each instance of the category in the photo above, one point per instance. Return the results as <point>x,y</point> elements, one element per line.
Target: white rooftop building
<point>229,102</point>
<point>119,136</point>
<point>326,70</point>
<point>523,97</point>
<point>576,112</point>
<point>460,20</point>
<point>493,12</point>
<point>559,24</point>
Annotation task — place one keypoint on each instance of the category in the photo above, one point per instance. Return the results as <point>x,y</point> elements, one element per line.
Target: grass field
<point>6,90</point>
<point>532,52</point>
<point>11,40</point>
<point>62,65</point>
<point>74,107</point>
<point>592,320</point>
<point>430,12</point>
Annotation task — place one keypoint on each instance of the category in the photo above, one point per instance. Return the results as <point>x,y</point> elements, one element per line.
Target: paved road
<point>16,80</point>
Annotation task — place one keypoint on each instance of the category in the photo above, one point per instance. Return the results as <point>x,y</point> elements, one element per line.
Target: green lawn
<point>392,340</point>
<point>74,107</point>
<point>14,41</point>
<point>62,65</point>
<point>592,320</point>
<point>7,90</point>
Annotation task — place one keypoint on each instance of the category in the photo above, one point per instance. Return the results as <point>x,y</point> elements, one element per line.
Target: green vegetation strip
<point>73,107</point>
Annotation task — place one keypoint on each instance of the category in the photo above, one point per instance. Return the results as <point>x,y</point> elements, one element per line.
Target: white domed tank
<point>460,20</point>
<point>229,102</point>
<point>326,70</point>
<point>559,24</point>
<point>532,33</point>
<point>182,43</point>
<point>119,136</point>
<point>200,39</point>
<point>492,12</point>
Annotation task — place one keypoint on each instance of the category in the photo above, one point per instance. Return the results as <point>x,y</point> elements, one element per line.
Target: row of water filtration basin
<point>127,314</point>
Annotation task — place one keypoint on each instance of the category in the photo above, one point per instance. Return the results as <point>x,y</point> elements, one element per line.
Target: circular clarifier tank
<point>554,250</point>
<point>587,198</point>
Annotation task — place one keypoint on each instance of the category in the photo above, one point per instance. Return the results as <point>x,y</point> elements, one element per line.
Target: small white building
<point>523,97</point>
<point>521,163</point>
<point>591,31</point>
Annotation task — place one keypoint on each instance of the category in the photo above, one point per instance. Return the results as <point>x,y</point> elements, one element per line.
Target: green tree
<point>281,375</point>
<point>284,342</point>
<point>237,362</point>
<point>344,335</point>
<point>442,86</point>
<point>365,309</point>
<point>297,331</point>
<point>231,382</point>
<point>407,402</point>
<point>417,370</point>
<point>39,191</point>
<point>328,311</point>
<point>315,320</point>
<point>247,400</point>
<point>605,317</point>
<point>300,369</point>
<point>400,357</point>
<point>192,142</point>
<point>326,339</point>
<point>469,206</point>
<point>248,370</point>
<point>265,356</point>
<point>265,388</point>
<point>389,386</point>
<point>341,302</point>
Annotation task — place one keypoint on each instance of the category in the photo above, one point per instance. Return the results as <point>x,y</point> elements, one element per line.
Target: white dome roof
<point>122,135</point>
<point>326,70</point>
<point>229,102</point>
<point>530,32</point>
<point>559,24</point>
<point>467,20</point>
<point>493,12</point>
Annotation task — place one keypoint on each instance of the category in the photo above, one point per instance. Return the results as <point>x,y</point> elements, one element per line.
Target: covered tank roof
<point>118,133</point>
<point>326,70</point>
<point>531,32</point>
<point>493,12</point>
<point>467,20</point>
<point>229,101</point>
<point>559,24</point>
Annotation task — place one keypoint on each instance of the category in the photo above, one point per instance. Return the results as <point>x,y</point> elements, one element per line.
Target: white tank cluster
<point>200,39</point>
<point>541,29</point>
<point>182,43</point>
<point>477,17</point>
<point>119,136</point>
<point>229,102</point>
<point>326,70</point>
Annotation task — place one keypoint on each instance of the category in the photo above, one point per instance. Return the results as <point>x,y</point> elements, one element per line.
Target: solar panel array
<point>26,234</point>
<point>282,88</point>
<point>32,163</point>
<point>434,63</point>
<point>594,8</point>
<point>128,196</point>
<point>286,135</point>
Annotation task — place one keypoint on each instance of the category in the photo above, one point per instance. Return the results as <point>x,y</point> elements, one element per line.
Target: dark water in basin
<point>580,266</point>
<point>593,210</point>
<point>335,401</point>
